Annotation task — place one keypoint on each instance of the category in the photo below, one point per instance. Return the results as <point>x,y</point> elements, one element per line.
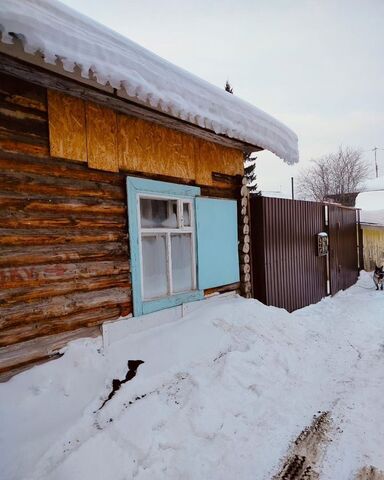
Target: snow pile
<point>60,33</point>
<point>372,207</point>
<point>221,395</point>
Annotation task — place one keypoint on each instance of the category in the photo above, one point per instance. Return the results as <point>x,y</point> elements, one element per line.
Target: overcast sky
<point>316,65</point>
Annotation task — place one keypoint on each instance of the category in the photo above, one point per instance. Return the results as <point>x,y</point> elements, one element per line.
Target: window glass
<point>154,266</point>
<point>157,213</point>
<point>181,248</point>
<point>186,215</point>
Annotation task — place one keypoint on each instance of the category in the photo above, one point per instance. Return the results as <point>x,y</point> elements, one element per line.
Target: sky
<point>316,65</point>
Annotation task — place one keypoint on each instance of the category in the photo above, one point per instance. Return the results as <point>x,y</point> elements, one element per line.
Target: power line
<point>374,149</point>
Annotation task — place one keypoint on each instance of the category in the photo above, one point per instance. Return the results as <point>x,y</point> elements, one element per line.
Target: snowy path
<point>222,394</point>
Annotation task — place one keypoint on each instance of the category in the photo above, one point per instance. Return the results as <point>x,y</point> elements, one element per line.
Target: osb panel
<point>101,137</point>
<point>149,148</point>
<point>212,157</point>
<point>67,132</point>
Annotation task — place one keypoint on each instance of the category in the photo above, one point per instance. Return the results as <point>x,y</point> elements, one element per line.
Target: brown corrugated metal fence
<point>343,254</point>
<point>286,269</point>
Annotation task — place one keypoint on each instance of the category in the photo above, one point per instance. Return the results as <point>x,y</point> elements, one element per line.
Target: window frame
<point>180,229</point>
<point>142,188</point>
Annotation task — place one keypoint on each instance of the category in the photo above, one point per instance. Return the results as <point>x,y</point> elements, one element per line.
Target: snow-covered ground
<point>222,394</point>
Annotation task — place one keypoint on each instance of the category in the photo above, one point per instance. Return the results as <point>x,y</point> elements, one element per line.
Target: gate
<point>343,247</point>
<point>287,271</point>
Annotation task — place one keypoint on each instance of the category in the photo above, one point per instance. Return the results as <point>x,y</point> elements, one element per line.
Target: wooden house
<point>121,188</point>
<point>371,204</point>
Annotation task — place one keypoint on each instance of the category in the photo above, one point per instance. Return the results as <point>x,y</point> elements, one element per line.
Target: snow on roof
<point>59,33</point>
<point>372,207</point>
<point>370,200</point>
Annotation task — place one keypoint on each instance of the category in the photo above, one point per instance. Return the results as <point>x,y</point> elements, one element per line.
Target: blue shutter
<point>217,242</point>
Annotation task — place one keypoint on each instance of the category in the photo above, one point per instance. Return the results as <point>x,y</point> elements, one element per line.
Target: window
<point>162,232</point>
<point>167,242</point>
<point>180,243</point>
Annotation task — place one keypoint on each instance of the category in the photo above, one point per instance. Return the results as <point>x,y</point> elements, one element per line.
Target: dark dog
<point>378,277</point>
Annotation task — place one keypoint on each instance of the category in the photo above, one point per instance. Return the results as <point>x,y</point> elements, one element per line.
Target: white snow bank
<point>221,395</point>
<point>60,33</point>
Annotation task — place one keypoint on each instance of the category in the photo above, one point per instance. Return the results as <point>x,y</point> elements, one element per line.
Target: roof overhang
<point>60,41</point>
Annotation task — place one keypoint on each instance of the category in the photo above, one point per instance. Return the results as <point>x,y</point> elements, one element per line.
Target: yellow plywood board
<point>85,131</point>
<point>101,138</point>
<point>149,148</point>
<point>212,157</point>
<point>67,135</point>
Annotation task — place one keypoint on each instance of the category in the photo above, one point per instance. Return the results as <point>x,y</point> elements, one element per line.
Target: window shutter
<point>217,242</point>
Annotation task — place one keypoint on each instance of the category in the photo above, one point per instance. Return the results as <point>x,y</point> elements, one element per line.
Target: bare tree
<point>334,174</point>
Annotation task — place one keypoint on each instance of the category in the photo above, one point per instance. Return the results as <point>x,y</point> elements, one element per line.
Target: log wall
<point>64,257</point>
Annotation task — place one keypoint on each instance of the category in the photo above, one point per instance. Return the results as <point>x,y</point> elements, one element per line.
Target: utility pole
<point>292,189</point>
<point>376,166</point>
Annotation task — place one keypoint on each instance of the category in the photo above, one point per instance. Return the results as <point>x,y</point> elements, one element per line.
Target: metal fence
<point>286,268</point>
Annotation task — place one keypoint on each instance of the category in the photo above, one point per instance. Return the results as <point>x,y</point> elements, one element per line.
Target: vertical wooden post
<point>245,265</point>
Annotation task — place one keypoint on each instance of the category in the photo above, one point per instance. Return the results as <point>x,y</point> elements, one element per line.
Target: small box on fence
<point>322,244</point>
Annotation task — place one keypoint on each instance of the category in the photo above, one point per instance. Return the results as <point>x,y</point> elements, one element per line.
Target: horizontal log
<point>10,202</point>
<point>18,357</point>
<point>34,275</point>
<point>87,318</point>
<point>60,306</point>
<point>10,296</point>
<point>57,168</point>
<point>246,239</point>
<point>243,211</point>
<point>20,220</point>
<point>20,256</point>
<point>246,229</point>
<point>46,185</point>
<point>55,237</point>
<point>244,202</point>
<point>245,248</point>
<point>15,123</point>
<point>225,288</point>
<point>245,219</point>
<point>27,147</point>
<point>23,94</point>
<point>225,178</point>
<point>219,192</point>
<point>22,105</point>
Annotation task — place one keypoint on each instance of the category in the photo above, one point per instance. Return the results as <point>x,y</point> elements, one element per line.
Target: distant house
<point>121,187</point>
<point>371,204</point>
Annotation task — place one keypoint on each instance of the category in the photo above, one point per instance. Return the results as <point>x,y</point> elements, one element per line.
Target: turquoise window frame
<point>135,187</point>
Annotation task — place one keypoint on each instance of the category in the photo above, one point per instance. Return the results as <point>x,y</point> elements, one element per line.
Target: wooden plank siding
<point>64,247</point>
<point>373,246</point>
